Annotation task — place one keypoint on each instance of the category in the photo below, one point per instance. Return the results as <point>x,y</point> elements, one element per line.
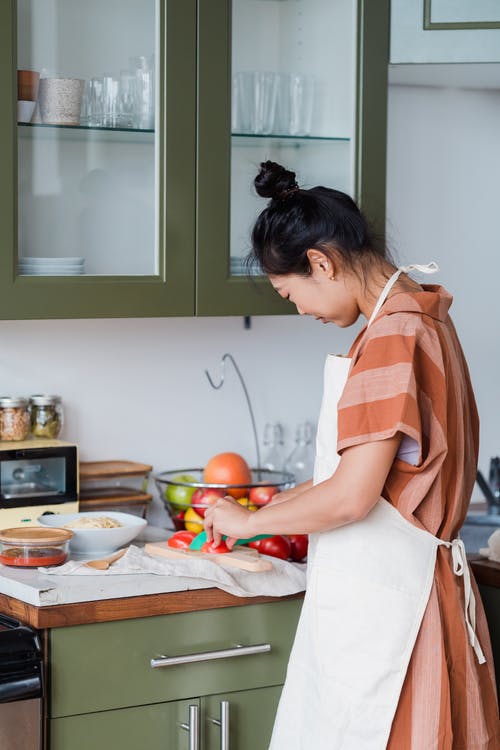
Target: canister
<point>14,418</point>
<point>46,416</point>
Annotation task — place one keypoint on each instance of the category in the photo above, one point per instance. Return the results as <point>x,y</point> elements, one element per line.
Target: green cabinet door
<point>250,715</point>
<point>322,74</point>
<point>118,193</point>
<point>161,726</point>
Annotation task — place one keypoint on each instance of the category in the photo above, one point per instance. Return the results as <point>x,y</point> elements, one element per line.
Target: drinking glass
<point>143,69</point>
<point>257,94</point>
<point>295,104</point>
<point>126,107</point>
<point>110,86</point>
<point>92,105</point>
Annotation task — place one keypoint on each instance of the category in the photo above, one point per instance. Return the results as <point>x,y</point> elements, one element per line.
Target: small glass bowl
<point>32,546</point>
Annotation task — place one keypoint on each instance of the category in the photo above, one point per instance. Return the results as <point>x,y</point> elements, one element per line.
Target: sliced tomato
<point>219,550</point>
<point>181,539</point>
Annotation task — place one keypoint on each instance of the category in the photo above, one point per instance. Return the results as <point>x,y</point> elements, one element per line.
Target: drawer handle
<point>223,723</point>
<point>193,727</point>
<point>223,653</point>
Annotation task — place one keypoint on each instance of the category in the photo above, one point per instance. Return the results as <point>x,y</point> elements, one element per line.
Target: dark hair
<point>296,220</point>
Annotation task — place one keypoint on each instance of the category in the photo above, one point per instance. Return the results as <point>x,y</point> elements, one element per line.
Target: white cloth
<point>285,578</point>
<point>368,587</point>
<point>492,551</point>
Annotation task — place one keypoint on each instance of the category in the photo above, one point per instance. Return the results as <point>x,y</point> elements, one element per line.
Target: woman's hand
<point>228,517</point>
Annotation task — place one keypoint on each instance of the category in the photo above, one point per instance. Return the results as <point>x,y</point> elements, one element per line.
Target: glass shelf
<point>249,139</point>
<point>81,132</point>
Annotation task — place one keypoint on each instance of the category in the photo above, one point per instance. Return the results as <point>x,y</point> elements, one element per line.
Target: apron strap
<point>431,267</point>
<point>461,568</point>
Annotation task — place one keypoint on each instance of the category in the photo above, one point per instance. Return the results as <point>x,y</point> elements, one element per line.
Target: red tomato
<point>219,550</point>
<point>299,544</point>
<point>255,545</point>
<point>261,495</point>
<point>276,546</point>
<point>181,539</point>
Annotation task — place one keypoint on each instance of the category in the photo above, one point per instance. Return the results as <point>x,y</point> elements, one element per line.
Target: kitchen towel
<point>492,551</point>
<point>285,578</point>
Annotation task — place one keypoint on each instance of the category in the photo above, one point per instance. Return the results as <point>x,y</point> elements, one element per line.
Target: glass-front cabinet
<point>132,131</point>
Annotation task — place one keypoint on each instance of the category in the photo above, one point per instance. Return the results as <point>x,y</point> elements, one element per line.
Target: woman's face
<point>327,294</point>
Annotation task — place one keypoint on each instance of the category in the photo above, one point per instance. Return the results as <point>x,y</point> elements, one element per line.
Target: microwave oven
<point>37,476</point>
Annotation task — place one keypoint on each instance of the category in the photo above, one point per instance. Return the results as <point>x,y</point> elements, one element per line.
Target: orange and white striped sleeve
<point>380,397</point>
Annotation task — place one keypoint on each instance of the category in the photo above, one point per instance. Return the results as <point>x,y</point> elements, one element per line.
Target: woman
<point>392,647</point>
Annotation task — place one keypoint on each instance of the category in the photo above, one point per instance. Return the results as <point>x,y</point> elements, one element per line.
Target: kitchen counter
<point>48,601</point>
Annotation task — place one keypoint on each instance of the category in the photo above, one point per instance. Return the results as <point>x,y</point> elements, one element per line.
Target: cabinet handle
<point>223,723</point>
<point>193,727</point>
<point>224,653</point>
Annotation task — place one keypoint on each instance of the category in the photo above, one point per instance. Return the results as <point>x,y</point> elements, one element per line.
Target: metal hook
<point>222,375</point>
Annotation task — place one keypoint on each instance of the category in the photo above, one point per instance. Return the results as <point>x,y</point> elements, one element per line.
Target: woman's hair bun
<point>274,181</point>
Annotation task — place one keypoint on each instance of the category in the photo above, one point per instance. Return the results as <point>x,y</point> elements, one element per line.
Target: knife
<point>201,538</point>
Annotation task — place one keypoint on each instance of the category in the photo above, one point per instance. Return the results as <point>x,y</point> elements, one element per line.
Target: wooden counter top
<point>106,610</point>
<point>55,616</point>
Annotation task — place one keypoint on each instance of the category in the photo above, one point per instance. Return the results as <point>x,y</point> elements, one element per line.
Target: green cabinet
<point>155,727</point>
<point>127,190</point>
<point>246,722</point>
<point>115,682</point>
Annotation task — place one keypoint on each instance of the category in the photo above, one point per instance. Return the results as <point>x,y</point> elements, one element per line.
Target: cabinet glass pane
<point>87,149</point>
<point>293,100</point>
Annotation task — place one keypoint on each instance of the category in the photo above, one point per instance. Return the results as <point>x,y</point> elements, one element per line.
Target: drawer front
<point>108,665</point>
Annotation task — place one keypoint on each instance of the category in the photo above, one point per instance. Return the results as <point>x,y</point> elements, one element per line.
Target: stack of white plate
<point>51,266</point>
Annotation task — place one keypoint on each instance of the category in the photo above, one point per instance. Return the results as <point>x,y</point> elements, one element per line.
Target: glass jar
<point>46,416</point>
<point>300,462</point>
<point>29,547</point>
<point>14,418</point>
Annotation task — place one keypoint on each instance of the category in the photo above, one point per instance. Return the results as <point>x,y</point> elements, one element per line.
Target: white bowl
<point>97,541</point>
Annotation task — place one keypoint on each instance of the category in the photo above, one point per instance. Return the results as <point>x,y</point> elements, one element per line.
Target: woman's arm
<point>282,497</point>
<point>346,497</point>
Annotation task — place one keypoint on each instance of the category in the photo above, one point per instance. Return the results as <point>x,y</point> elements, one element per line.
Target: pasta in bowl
<point>96,532</point>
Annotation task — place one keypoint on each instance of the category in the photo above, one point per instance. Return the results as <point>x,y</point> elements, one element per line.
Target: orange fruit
<point>228,468</point>
<point>192,521</point>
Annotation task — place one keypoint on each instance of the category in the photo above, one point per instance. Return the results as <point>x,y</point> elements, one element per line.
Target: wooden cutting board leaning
<point>244,558</point>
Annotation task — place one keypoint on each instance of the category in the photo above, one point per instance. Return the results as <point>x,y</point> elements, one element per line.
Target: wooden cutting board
<point>244,558</point>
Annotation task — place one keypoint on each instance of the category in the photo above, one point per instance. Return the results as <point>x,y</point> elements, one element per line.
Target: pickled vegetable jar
<point>14,418</point>
<point>46,416</point>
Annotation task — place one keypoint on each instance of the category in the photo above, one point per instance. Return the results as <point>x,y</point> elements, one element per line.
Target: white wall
<point>443,204</point>
<point>135,389</point>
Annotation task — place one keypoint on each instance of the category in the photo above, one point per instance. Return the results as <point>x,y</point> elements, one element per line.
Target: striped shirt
<point>409,376</point>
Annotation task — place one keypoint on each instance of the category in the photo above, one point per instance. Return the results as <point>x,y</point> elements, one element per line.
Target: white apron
<point>368,587</point>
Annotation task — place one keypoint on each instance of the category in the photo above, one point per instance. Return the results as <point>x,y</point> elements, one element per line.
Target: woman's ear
<point>320,263</point>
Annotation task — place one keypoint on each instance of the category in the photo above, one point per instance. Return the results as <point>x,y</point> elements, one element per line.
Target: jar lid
<point>13,401</point>
<point>35,535</point>
<point>43,400</point>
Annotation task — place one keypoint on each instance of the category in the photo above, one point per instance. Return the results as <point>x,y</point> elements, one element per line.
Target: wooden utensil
<point>243,558</point>
<point>106,561</point>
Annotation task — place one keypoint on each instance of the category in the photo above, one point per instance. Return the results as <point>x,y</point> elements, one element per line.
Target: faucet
<point>491,489</point>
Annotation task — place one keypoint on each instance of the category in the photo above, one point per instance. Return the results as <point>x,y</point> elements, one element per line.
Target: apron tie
<point>461,568</point>
<point>431,267</point>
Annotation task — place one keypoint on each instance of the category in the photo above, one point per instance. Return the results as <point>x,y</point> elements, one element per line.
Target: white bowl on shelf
<point>95,542</point>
